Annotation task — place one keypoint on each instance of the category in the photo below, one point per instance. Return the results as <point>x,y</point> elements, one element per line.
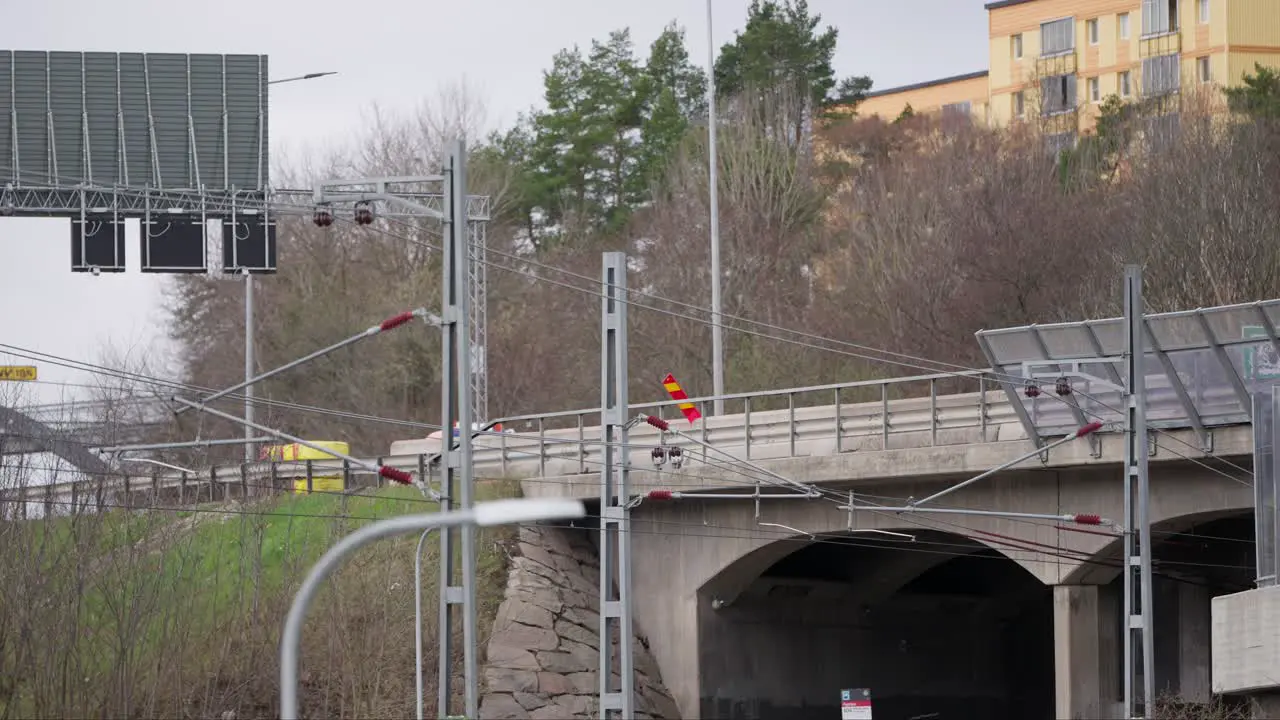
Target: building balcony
<point>1161,43</point>
<point>1063,63</point>
<point>1060,122</point>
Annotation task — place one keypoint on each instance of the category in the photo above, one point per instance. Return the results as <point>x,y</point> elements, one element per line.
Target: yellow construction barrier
<point>295,452</point>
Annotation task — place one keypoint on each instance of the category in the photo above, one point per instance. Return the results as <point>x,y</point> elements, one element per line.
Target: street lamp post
<point>249,454</point>
<point>497,512</point>
<point>717,329</point>
<point>308,76</point>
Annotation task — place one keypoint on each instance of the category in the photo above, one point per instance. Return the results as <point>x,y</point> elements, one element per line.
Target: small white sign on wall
<point>855,704</point>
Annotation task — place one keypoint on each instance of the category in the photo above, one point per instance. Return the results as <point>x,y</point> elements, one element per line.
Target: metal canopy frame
<point>1203,367</point>
<point>1266,487</point>
<point>72,197</point>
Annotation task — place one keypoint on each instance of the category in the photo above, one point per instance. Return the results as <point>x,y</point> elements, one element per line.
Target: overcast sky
<point>395,53</point>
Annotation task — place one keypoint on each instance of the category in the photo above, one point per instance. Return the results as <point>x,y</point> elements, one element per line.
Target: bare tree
<point>963,228</point>
<point>1201,209</point>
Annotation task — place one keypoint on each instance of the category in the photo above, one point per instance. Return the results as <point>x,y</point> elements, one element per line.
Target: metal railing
<point>869,415</point>
<point>817,420</point>
<point>865,416</point>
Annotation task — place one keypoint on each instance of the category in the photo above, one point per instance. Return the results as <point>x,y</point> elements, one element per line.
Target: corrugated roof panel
<point>142,110</point>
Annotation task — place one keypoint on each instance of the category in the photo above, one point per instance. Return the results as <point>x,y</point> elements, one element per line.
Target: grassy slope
<point>179,613</point>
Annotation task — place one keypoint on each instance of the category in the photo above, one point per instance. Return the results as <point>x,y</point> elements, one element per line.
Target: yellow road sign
<point>25,373</point>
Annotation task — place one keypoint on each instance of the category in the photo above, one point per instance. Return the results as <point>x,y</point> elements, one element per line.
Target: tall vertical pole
<point>479,317</point>
<point>450,592</point>
<point>249,454</point>
<point>717,328</point>
<point>1139,648</point>
<point>460,238</point>
<point>456,459</point>
<point>616,700</point>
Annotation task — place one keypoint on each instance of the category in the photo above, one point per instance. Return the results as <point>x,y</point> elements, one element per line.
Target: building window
<point>1204,71</point>
<point>1091,27</point>
<point>1203,9</point>
<point>1125,89</point>
<point>1123,20</point>
<point>1095,90</point>
<point>1159,17</point>
<point>1057,37</point>
<point>1016,40</point>
<point>960,109</point>
<point>1019,104</point>
<point>1161,75</point>
<point>1057,94</point>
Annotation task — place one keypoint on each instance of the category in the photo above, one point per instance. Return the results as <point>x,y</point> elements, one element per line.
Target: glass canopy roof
<point>1202,367</point>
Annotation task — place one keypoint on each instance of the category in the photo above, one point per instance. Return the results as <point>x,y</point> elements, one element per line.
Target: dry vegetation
<point>1172,708</point>
<point>177,613</point>
<point>151,607</point>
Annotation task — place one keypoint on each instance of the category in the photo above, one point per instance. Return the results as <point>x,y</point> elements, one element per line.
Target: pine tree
<point>1260,94</point>
<point>609,126</point>
<point>784,63</point>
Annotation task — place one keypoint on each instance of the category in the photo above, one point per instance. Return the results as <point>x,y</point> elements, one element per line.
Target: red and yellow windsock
<point>677,393</point>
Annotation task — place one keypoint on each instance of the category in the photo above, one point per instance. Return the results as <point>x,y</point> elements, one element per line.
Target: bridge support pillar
<point>1085,642</point>
<point>1194,642</point>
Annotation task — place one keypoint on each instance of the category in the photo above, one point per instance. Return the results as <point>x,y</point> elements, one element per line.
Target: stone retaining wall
<point>543,654</point>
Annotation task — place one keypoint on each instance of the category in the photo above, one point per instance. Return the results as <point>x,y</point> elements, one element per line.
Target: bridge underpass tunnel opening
<point>1194,559</point>
<point>941,625</point>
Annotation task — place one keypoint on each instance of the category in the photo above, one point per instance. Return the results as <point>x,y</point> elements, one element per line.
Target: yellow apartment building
<point>1058,60</point>
<point>958,93</point>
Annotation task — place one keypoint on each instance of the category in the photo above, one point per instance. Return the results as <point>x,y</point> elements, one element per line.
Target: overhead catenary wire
<point>777,327</point>
<point>1056,550</point>
<point>830,495</point>
<point>746,468</point>
<point>930,365</point>
<point>1017,543</point>
<point>689,529</point>
<point>921,522</point>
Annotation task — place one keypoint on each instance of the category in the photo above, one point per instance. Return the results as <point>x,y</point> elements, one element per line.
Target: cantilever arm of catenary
<point>1082,432</point>
<point>385,471</point>
<point>390,323</point>
<point>1076,518</point>
<point>665,426</point>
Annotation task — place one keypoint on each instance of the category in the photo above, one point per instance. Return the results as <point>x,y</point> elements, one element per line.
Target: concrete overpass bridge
<point>765,608</point>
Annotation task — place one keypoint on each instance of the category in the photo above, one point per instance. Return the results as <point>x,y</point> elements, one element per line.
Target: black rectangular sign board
<point>248,244</point>
<point>174,245</point>
<point>97,242</point>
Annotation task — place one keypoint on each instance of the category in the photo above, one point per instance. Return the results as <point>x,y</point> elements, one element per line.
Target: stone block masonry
<point>543,653</point>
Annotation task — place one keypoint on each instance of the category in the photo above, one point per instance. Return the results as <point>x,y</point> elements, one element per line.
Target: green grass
<point>51,541</point>
<point>217,569</point>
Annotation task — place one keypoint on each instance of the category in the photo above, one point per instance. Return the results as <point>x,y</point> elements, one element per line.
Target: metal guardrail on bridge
<point>863,416</point>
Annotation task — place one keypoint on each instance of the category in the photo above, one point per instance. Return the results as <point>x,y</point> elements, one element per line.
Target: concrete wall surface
<point>689,553</point>
<point>543,654</point>
<point>1246,642</point>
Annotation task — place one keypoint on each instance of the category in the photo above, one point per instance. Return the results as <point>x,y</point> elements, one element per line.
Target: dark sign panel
<point>248,244</point>
<point>175,244</point>
<point>97,243</point>
<point>144,120</point>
